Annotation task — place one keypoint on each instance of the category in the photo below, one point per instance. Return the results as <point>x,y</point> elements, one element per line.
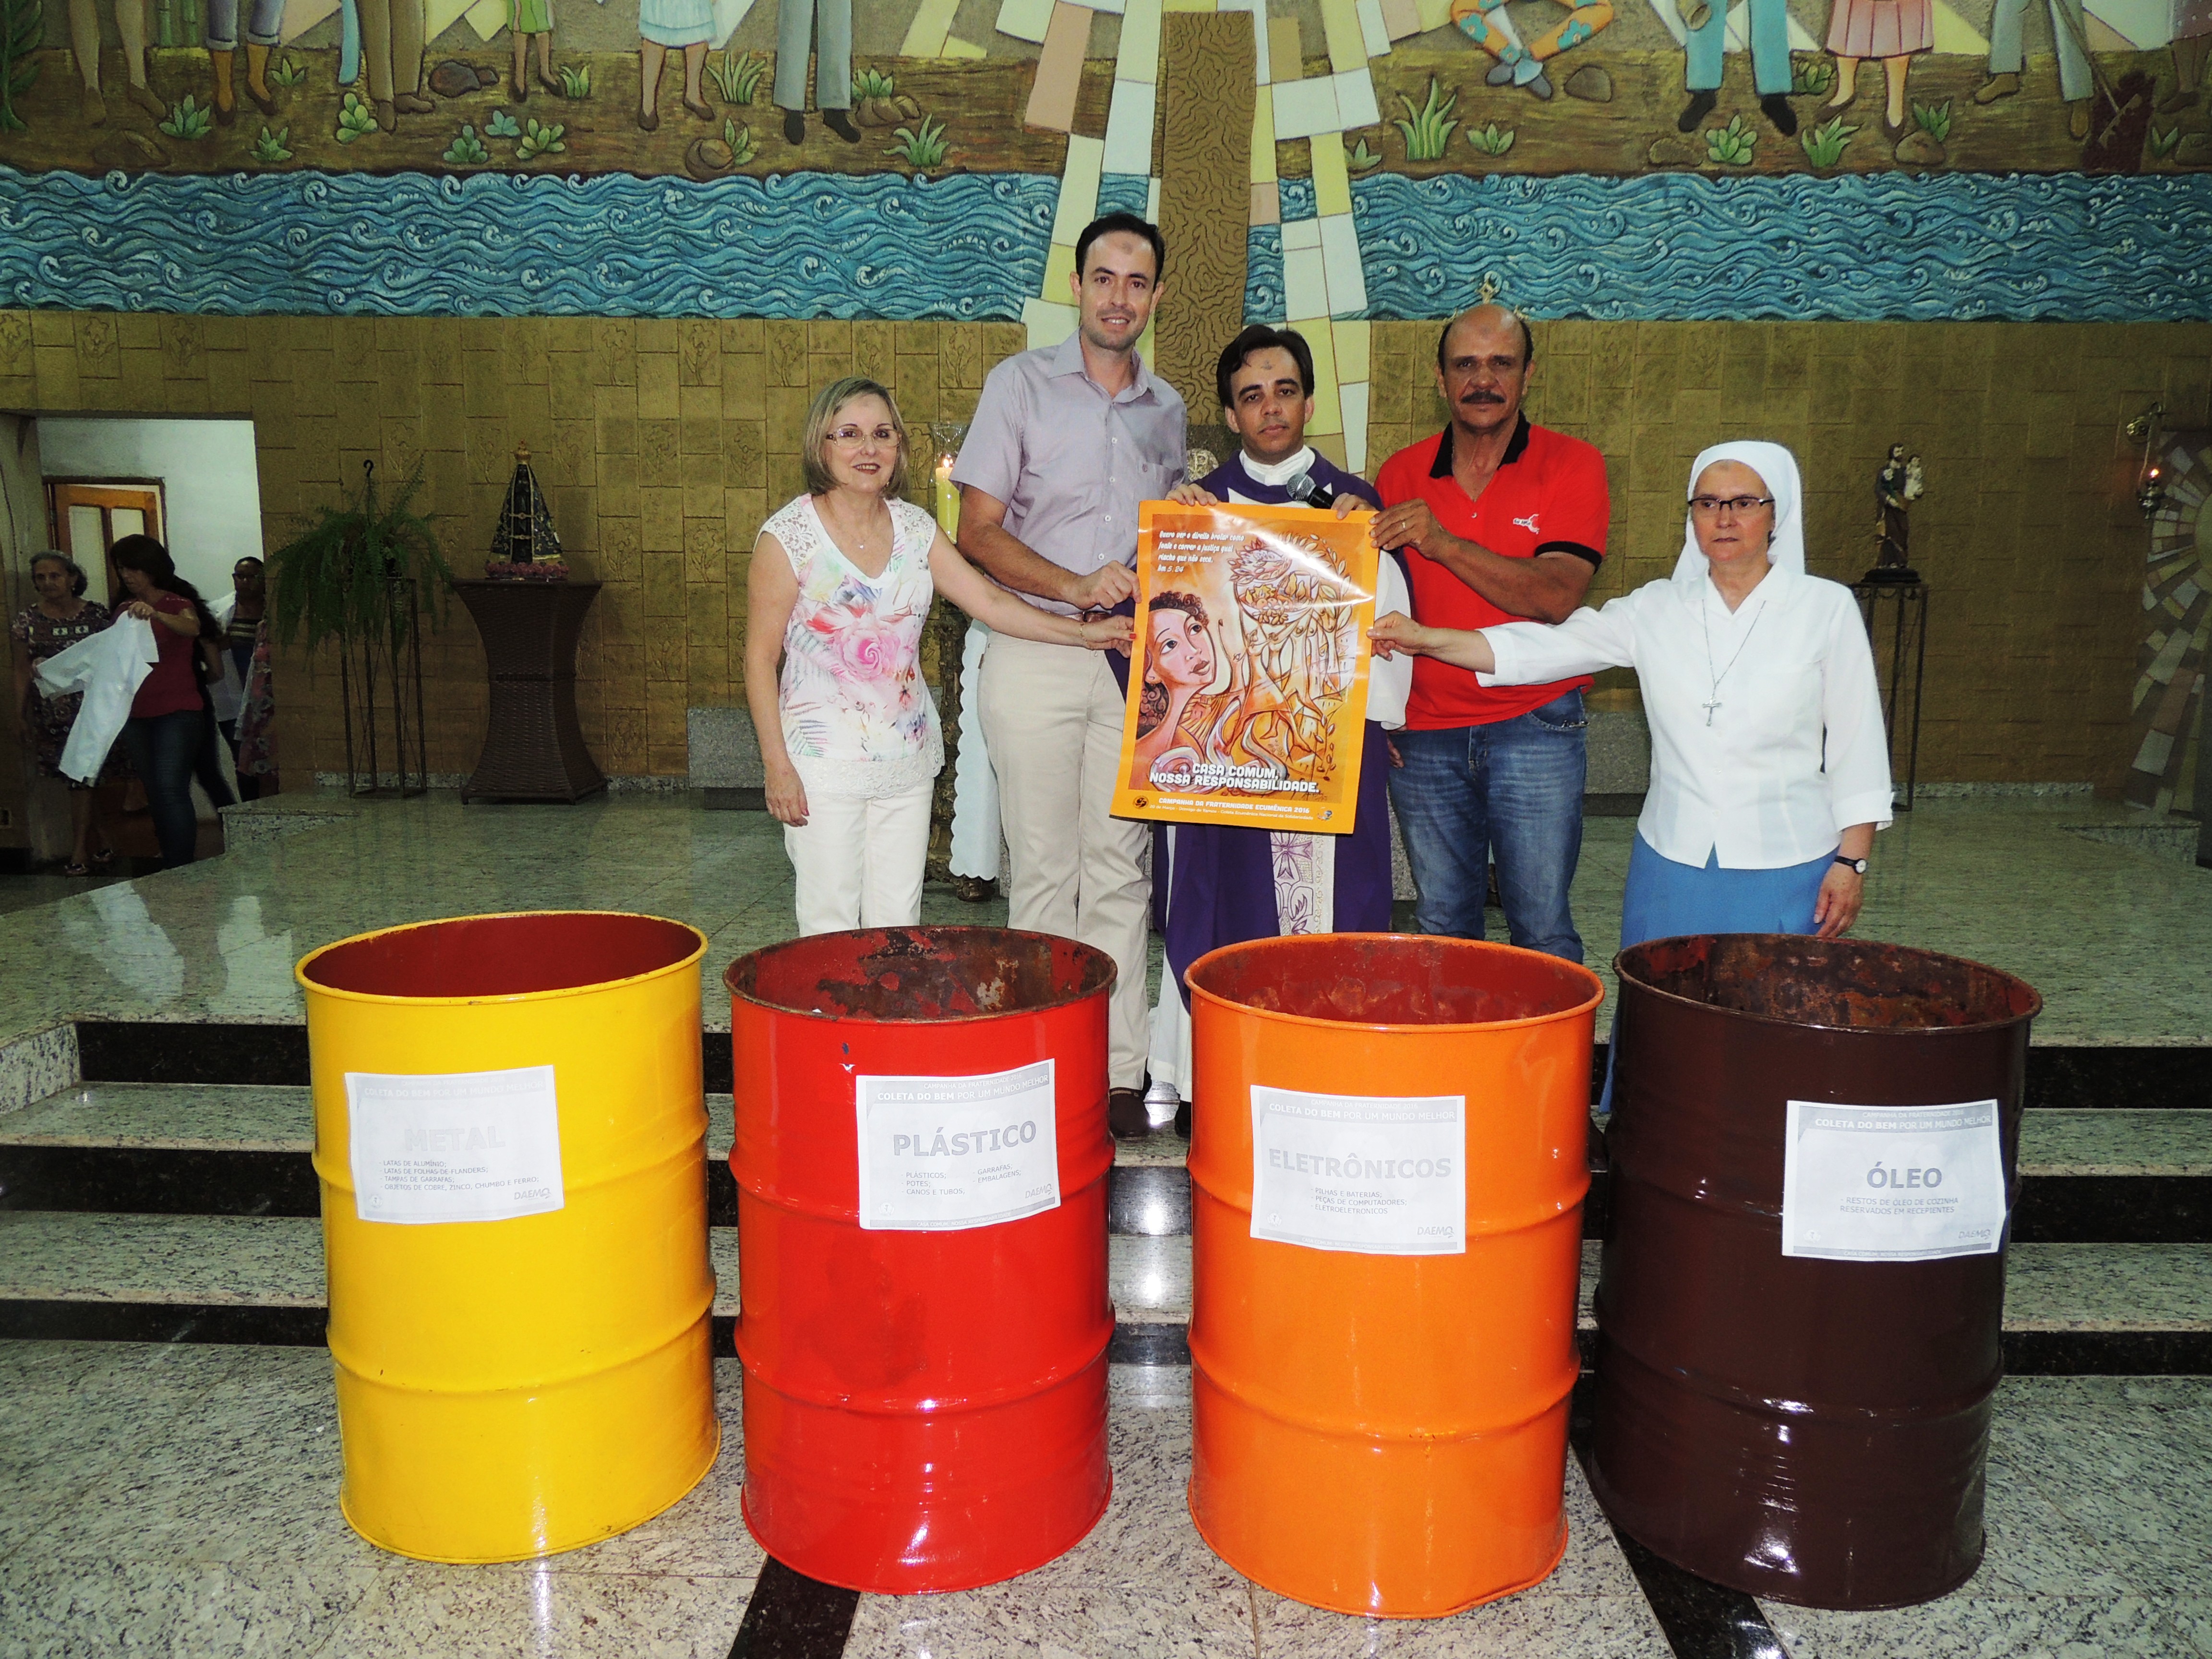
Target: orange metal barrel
<point>1381,1427</point>
<point>925,1402</point>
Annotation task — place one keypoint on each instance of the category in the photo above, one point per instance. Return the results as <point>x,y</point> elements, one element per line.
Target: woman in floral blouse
<point>841,583</point>
<point>61,617</point>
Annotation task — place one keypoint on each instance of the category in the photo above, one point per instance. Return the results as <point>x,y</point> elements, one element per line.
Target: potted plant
<point>354,579</point>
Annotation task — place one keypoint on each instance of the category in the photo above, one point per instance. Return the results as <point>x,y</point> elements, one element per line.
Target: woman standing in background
<point>60,618</point>
<point>169,717</point>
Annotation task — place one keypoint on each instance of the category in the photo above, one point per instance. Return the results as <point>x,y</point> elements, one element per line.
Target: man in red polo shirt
<point>1498,519</point>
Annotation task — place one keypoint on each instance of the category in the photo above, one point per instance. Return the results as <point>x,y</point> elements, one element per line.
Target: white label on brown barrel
<point>454,1145</point>
<point>1892,1183</point>
<point>940,1152</point>
<point>1384,1174</point>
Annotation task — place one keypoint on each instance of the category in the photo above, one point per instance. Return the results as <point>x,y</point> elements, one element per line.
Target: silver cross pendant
<point>1708,708</point>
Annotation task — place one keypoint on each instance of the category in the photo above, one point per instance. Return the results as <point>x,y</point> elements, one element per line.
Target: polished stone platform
<point>171,1486</point>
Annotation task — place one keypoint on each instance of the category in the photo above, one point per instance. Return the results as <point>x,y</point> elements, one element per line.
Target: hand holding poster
<point>1248,682</point>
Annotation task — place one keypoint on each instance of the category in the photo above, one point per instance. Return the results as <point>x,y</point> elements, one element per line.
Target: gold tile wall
<point>663,444</point>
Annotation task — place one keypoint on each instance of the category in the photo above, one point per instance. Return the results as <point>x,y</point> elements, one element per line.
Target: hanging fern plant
<point>336,582</point>
<point>22,31</point>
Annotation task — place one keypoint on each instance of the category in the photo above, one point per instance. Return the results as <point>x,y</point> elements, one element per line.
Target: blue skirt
<point>1665,900</point>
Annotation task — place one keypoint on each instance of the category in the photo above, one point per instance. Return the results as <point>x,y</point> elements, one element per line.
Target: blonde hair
<point>828,401</point>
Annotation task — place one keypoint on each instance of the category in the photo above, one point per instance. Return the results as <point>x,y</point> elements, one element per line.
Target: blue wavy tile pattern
<point>970,247</point>
<point>1861,248</point>
<point>973,247</point>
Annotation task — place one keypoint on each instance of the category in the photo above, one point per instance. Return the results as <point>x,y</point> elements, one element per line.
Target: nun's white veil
<point>1778,468</point>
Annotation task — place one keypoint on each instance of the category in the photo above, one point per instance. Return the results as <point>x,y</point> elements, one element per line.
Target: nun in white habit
<point>1769,767</point>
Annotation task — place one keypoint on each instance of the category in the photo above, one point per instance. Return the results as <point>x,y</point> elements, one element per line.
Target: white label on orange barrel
<point>1891,1183</point>
<point>1381,1174</point>
<point>941,1152</point>
<point>454,1146</point>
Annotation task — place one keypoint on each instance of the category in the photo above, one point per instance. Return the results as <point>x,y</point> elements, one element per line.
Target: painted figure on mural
<point>685,26</point>
<point>1770,72</point>
<point>2191,48</point>
<point>533,20</point>
<point>1894,31</point>
<point>263,19</point>
<point>2008,57</point>
<point>1487,24</point>
<point>824,27</point>
<point>130,22</point>
<point>391,39</point>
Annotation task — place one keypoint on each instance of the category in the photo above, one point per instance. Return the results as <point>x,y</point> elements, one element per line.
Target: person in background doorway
<point>169,718</point>
<point>60,617</point>
<point>241,613</point>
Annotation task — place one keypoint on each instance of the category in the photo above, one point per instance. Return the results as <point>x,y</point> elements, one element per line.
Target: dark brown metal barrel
<point>1809,1430</point>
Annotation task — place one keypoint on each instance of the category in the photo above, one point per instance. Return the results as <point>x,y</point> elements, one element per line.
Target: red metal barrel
<point>925,1395</point>
<point>1809,1426</point>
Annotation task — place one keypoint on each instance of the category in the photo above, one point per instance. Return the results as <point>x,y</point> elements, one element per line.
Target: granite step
<point>2122,1174</point>
<point>2120,1309</point>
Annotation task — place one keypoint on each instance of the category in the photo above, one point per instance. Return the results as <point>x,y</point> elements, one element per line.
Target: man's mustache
<point>1479,397</point>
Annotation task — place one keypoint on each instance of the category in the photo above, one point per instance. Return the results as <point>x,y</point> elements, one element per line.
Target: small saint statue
<point>1896,487</point>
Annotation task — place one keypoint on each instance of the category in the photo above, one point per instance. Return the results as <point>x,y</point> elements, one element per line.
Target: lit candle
<point>948,496</point>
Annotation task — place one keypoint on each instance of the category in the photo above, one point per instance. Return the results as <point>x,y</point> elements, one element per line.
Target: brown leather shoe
<point>1127,1114</point>
<point>975,889</point>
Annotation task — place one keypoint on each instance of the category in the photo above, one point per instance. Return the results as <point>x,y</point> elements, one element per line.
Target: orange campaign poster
<point>1247,680</point>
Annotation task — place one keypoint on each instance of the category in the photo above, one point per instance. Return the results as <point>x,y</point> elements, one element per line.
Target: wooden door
<point>89,518</point>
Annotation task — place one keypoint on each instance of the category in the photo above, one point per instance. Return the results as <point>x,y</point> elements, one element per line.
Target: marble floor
<point>180,1497</point>
<point>2107,932</point>
<point>184,1500</point>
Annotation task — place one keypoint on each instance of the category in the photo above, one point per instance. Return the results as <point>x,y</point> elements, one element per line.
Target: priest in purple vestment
<point>1215,885</point>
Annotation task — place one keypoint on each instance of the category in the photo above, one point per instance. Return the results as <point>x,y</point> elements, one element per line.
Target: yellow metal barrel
<point>510,1135</point>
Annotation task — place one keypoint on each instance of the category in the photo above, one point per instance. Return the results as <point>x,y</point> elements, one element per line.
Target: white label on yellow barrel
<point>1891,1183</point>
<point>1384,1174</point>
<point>454,1146</point>
<point>941,1152</point>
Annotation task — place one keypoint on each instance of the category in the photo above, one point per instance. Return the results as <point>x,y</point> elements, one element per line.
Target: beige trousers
<point>1052,716</point>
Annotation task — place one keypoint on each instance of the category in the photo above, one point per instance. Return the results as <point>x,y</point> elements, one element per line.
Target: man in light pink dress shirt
<point>1067,440</point>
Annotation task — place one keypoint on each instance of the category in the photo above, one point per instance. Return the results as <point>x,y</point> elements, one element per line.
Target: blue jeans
<point>1515,786</point>
<point>163,749</point>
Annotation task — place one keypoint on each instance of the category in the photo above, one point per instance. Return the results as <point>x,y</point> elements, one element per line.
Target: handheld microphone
<point>1303,489</point>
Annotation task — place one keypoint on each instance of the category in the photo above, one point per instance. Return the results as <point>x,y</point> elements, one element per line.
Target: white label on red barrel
<point>1892,1183</point>
<point>454,1146</point>
<point>1385,1175</point>
<point>942,1153</point>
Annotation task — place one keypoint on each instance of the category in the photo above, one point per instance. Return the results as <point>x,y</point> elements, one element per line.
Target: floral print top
<point>857,718</point>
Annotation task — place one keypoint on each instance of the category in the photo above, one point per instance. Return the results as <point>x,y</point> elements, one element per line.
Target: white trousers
<point>1053,717</point>
<point>858,860</point>
<point>975,786</point>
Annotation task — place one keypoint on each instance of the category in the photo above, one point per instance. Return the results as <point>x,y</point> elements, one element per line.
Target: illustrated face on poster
<point>1249,697</point>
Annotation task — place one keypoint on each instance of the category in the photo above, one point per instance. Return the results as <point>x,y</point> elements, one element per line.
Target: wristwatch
<point>1859,864</point>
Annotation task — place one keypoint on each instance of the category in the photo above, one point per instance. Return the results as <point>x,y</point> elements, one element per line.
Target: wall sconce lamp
<point>2150,477</point>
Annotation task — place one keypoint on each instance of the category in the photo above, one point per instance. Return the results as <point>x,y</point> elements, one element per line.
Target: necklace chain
<point>1705,627</point>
